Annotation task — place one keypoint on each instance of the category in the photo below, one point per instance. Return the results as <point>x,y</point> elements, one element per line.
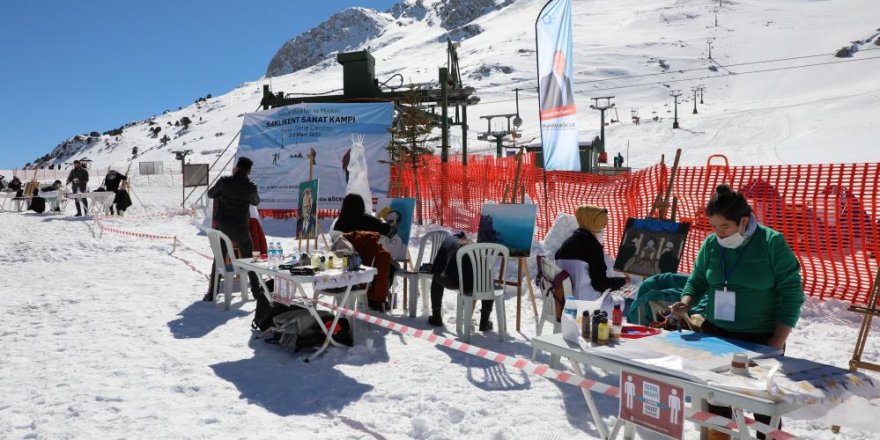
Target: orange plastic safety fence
<point>827,213</point>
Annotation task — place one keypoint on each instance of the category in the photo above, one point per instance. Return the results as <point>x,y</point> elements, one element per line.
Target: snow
<point>107,337</point>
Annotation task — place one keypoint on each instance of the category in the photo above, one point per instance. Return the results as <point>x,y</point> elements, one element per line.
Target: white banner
<point>279,142</point>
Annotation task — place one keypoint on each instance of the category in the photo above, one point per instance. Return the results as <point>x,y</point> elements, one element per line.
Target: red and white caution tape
<point>542,369</point>
<point>205,256</point>
<point>136,234</point>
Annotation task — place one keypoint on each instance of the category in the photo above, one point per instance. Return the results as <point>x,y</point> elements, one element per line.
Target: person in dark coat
<point>445,271</point>
<point>15,185</point>
<point>114,182</point>
<point>353,217</point>
<point>585,244</point>
<point>233,196</point>
<point>79,179</point>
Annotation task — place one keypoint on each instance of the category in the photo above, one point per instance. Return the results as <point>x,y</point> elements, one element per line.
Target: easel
<point>661,201</point>
<point>318,230</point>
<point>870,311</point>
<point>522,266</point>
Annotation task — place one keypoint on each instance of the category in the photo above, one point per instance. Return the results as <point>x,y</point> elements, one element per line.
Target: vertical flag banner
<point>559,134</point>
<point>280,140</point>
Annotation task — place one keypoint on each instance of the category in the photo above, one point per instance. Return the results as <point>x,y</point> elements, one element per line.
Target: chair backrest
<point>433,239</point>
<point>215,237</point>
<point>549,271</point>
<point>482,257</point>
<point>334,234</point>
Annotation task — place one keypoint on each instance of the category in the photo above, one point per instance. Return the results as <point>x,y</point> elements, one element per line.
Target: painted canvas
<point>651,246</point>
<point>398,213</point>
<point>307,219</point>
<point>512,225</point>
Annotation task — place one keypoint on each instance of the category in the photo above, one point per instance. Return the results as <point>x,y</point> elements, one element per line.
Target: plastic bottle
<point>586,325</point>
<point>614,333</point>
<point>570,308</point>
<point>617,315</point>
<point>594,327</point>
<point>604,331</point>
<point>271,255</point>
<point>280,252</point>
<point>316,262</point>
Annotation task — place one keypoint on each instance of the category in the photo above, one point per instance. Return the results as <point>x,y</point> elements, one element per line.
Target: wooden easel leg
<point>518,291</point>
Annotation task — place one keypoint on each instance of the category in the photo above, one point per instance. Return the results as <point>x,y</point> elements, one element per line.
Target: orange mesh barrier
<point>827,213</point>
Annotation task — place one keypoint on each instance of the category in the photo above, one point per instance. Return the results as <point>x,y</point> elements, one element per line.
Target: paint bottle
<point>586,325</point>
<point>594,330</point>
<point>604,331</point>
<point>316,262</point>
<point>617,315</point>
<point>344,263</point>
<point>739,364</point>
<point>614,333</point>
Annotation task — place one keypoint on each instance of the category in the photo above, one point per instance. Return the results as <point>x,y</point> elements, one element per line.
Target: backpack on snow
<point>266,310</point>
<point>298,329</point>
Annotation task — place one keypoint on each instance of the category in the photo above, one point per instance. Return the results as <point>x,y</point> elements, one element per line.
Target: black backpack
<point>298,329</point>
<point>267,310</point>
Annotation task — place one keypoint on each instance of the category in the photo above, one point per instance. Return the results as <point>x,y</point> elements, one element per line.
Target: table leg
<point>413,295</point>
<point>616,429</point>
<point>591,404</point>
<point>741,425</point>
<point>629,431</point>
<point>327,331</point>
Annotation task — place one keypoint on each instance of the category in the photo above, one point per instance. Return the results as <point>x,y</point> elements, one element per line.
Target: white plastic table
<point>699,393</point>
<point>6,198</point>
<point>103,198</point>
<point>320,282</point>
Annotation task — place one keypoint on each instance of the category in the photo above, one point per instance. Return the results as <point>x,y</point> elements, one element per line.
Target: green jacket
<point>766,280</point>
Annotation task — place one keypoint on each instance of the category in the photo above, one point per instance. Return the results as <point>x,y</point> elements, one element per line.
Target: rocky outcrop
<point>349,30</point>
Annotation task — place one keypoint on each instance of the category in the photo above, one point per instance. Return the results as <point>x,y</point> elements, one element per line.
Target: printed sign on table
<point>652,404</point>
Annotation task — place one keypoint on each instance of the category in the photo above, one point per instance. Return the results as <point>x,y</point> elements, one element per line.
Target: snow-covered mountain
<point>775,91</point>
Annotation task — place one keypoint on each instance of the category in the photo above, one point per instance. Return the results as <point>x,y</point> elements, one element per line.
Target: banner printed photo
<point>558,112</point>
<point>280,140</point>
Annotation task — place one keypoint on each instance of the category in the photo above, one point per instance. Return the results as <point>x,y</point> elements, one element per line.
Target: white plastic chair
<point>549,271</point>
<point>215,237</point>
<point>482,257</point>
<point>428,248</point>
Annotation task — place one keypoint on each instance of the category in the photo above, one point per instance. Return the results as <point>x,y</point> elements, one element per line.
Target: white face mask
<point>732,241</point>
<point>600,236</point>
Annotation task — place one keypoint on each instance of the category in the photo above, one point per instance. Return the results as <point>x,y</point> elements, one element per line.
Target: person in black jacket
<point>586,244</point>
<point>233,196</point>
<point>353,217</point>
<point>445,270</point>
<point>79,178</point>
<point>112,183</point>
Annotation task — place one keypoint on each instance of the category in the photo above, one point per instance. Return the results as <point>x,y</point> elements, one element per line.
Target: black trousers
<point>80,188</point>
<point>757,338</point>
<point>245,247</point>
<point>438,283</point>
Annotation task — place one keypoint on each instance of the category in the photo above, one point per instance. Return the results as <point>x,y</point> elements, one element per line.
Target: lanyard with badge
<point>725,300</point>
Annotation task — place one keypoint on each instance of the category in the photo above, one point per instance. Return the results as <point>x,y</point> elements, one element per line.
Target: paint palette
<point>637,331</point>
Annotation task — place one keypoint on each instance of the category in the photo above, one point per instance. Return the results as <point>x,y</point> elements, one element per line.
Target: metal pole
<point>444,125</point>
<point>464,139</point>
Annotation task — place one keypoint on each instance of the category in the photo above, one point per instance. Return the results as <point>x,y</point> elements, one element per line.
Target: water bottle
<point>570,307</point>
<point>272,255</point>
<point>280,252</point>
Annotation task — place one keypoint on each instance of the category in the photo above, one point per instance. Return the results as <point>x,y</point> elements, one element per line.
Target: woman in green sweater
<point>749,274</point>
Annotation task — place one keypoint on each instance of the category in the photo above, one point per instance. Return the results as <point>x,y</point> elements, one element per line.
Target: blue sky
<point>71,67</point>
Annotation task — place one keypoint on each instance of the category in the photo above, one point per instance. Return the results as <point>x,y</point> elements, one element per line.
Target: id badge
<point>725,305</point>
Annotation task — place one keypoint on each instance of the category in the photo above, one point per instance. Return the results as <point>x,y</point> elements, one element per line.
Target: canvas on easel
<point>398,213</point>
<point>306,221</point>
<point>651,246</point>
<point>512,225</point>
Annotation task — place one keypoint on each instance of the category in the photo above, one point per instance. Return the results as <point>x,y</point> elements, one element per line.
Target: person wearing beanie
<point>233,196</point>
<point>582,255</point>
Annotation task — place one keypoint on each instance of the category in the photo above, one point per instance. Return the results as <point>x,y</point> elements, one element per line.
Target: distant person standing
<point>233,196</point>
<point>618,160</point>
<point>79,179</point>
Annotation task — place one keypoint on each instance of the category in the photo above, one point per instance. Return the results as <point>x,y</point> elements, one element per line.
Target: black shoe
<point>208,297</point>
<point>435,321</point>
<point>78,214</point>
<point>376,306</point>
<point>486,326</point>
